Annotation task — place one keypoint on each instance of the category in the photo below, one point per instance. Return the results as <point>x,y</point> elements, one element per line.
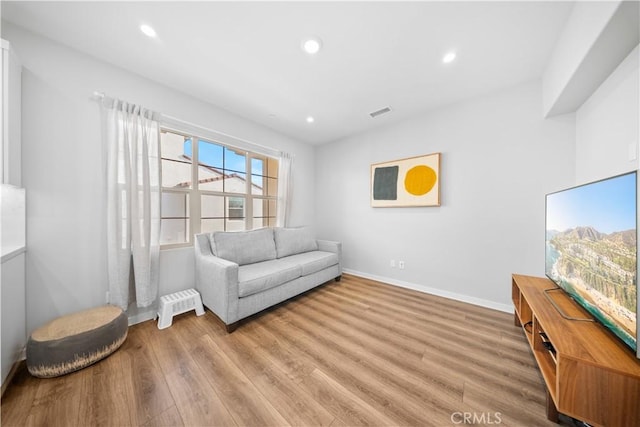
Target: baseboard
<point>137,315</point>
<point>11,374</point>
<point>433,291</point>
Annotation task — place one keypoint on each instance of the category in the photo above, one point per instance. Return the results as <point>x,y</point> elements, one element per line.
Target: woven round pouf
<point>75,341</point>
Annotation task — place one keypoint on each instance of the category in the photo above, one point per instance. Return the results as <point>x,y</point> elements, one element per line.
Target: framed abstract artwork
<point>407,182</point>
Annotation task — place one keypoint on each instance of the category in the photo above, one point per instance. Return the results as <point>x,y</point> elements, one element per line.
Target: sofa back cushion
<point>244,247</point>
<point>291,241</point>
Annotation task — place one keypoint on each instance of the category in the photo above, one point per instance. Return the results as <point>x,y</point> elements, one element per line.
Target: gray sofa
<point>241,273</point>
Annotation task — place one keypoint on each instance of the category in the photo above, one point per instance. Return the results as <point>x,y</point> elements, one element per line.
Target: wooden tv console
<point>590,375</point>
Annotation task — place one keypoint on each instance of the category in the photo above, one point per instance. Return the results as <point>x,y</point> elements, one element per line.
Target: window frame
<point>195,194</point>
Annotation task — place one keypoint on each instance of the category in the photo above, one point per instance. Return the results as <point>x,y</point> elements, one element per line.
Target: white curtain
<point>132,139</point>
<point>284,189</point>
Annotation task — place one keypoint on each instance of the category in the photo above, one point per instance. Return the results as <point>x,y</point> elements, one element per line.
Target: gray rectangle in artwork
<point>385,183</point>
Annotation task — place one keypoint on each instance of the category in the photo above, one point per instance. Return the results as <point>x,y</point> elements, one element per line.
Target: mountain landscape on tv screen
<point>599,269</point>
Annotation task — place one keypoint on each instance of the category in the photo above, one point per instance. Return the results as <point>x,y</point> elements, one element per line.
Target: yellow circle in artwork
<point>419,180</point>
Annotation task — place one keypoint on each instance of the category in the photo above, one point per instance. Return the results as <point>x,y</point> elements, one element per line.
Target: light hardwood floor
<point>351,353</point>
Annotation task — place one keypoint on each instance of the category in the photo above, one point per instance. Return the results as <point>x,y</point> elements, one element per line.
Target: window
<point>264,188</point>
<point>208,186</point>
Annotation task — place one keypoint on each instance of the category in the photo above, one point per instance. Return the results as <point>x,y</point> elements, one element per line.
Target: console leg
<point>516,321</point>
<point>338,278</point>
<point>552,411</point>
<point>231,327</point>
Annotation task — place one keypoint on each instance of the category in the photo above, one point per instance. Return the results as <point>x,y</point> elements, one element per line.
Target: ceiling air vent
<point>380,112</point>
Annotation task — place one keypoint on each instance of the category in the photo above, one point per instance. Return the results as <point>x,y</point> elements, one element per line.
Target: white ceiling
<point>246,58</point>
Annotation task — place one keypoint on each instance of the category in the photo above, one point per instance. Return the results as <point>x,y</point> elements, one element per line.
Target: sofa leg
<point>338,278</point>
<point>231,327</point>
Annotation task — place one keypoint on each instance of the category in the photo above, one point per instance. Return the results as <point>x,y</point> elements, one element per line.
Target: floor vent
<point>380,112</point>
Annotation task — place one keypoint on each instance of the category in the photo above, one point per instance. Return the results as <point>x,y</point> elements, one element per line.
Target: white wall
<point>499,159</point>
<point>11,155</point>
<point>63,171</point>
<point>596,38</point>
<point>608,124</point>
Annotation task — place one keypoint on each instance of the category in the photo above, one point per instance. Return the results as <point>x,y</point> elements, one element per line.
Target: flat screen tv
<point>591,250</point>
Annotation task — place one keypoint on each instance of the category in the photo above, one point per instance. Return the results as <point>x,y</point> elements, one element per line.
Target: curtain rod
<point>101,97</point>
<point>169,120</point>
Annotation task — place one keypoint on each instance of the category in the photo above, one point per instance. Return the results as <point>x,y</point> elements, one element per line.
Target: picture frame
<point>409,182</point>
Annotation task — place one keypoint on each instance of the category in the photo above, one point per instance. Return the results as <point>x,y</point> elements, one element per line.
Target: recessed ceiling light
<point>148,31</point>
<point>312,45</point>
<point>310,119</point>
<point>449,57</point>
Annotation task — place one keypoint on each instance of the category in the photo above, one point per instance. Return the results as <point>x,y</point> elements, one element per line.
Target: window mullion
<point>248,201</point>
<point>195,199</point>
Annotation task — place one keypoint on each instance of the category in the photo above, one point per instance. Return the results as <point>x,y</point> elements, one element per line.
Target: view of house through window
<point>208,187</point>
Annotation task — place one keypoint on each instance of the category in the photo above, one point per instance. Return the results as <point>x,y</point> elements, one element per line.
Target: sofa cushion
<point>312,262</point>
<point>244,247</point>
<point>291,241</point>
<point>254,278</point>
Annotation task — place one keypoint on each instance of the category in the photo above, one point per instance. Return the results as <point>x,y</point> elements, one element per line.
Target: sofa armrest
<point>217,282</point>
<point>331,246</point>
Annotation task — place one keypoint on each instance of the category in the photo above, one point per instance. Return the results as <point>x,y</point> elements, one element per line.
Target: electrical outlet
<point>393,263</point>
<point>401,265</point>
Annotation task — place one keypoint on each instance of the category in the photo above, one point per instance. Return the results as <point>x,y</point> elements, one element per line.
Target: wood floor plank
<point>196,401</point>
<point>386,354</point>
<point>169,418</point>
<point>192,331</point>
<point>294,403</point>
<point>342,402</point>
<point>448,344</point>
<point>456,334</point>
<point>278,354</point>
<point>246,404</point>
<point>514,408</point>
<point>427,312</point>
<point>169,346</point>
<point>369,324</point>
<point>381,382</point>
<point>446,308</point>
<point>108,393</point>
<point>367,332</point>
<point>357,352</point>
<point>21,394</point>
<point>150,390</point>
<point>57,402</point>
